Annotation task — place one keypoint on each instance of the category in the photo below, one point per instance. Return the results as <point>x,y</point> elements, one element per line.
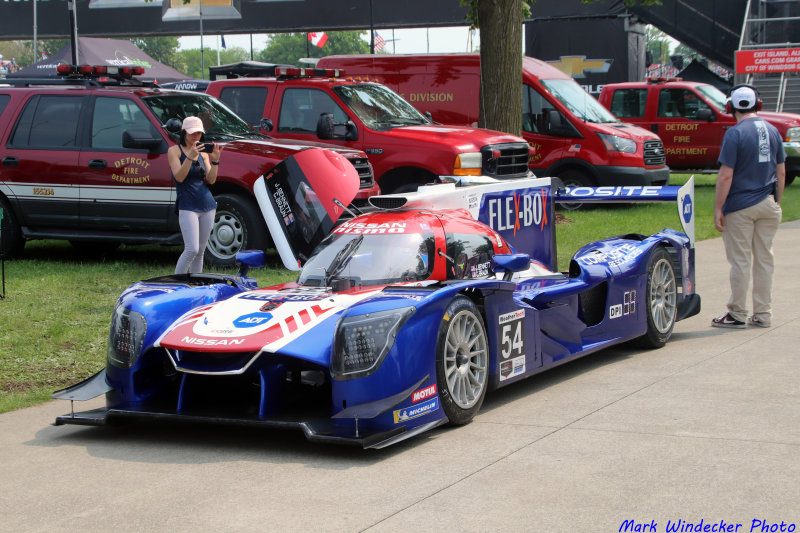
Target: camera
<point>207,148</point>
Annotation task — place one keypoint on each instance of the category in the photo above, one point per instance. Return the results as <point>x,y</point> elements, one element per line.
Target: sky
<point>406,41</point>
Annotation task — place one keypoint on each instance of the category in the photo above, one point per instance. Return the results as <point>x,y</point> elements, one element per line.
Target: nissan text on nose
<point>572,135</point>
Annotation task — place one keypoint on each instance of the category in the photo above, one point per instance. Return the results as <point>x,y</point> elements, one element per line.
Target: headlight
<point>126,337</point>
<point>618,144</point>
<point>362,341</point>
<point>793,134</point>
<point>468,164</point>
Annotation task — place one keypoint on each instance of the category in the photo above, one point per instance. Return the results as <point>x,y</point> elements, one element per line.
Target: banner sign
<point>772,60</point>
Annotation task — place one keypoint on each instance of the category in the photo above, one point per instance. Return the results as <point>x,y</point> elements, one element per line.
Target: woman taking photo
<point>193,171</point>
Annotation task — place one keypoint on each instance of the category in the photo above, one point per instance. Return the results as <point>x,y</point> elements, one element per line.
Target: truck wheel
<point>661,300</point>
<point>575,178</point>
<point>238,225</point>
<point>462,361</point>
<point>11,240</point>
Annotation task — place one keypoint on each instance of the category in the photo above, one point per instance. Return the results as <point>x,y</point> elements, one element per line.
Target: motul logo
<point>423,394</point>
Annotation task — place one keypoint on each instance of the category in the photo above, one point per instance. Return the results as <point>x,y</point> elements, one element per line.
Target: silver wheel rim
<point>663,296</point>
<point>227,235</point>
<point>465,359</point>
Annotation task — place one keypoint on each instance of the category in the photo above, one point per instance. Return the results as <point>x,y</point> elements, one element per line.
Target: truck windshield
<point>376,259</point>
<point>713,96</point>
<point>378,107</point>
<point>219,121</point>
<point>581,103</point>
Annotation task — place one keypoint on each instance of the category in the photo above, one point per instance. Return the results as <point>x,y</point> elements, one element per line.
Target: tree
<point>162,49</point>
<point>658,45</point>
<point>500,26</point>
<point>288,48</point>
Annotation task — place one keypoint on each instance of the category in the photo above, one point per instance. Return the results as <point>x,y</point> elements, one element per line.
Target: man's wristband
<point>215,162</point>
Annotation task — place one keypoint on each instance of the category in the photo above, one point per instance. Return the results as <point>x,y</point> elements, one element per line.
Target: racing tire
<point>661,300</point>
<point>462,361</point>
<point>11,240</point>
<point>575,178</point>
<point>238,225</point>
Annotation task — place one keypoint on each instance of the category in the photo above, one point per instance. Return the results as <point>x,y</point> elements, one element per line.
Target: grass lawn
<point>55,317</point>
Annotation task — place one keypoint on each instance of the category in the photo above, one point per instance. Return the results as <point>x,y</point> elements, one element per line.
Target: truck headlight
<point>468,164</point>
<point>792,134</point>
<point>362,341</point>
<point>126,337</point>
<point>618,144</point>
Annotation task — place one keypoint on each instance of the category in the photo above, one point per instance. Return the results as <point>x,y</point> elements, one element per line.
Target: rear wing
<point>522,210</point>
<point>683,196</point>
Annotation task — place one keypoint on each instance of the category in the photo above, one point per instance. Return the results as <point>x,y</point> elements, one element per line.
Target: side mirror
<point>325,126</point>
<point>510,263</point>
<point>266,124</point>
<point>140,139</point>
<point>706,115</point>
<point>173,125</point>
<point>352,131</point>
<point>248,259</point>
<point>554,122</point>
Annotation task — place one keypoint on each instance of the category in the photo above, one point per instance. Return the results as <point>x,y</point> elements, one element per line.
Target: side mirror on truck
<point>140,139</point>
<point>705,115</point>
<point>266,124</point>
<point>556,125</point>
<point>327,129</point>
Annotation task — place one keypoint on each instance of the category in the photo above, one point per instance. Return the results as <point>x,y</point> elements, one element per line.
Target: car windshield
<point>581,103</point>
<point>220,122</point>
<point>713,96</point>
<point>376,259</point>
<point>378,107</point>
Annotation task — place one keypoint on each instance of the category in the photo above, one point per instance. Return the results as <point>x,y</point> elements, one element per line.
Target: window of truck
<point>534,111</point>
<point>301,108</point>
<point>629,103</point>
<point>681,103</point>
<point>581,103</point>
<point>111,117</point>
<point>49,121</point>
<point>219,121</point>
<point>247,102</point>
<point>4,99</point>
<point>378,107</point>
<point>713,95</point>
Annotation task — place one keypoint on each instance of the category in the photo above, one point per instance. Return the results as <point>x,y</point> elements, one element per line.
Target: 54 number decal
<point>512,344</point>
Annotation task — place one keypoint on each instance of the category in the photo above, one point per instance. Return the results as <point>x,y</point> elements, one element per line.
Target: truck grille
<point>654,155</point>
<point>507,160</point>
<point>365,175</point>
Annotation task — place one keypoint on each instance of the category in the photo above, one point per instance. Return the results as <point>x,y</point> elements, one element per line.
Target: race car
<point>401,318</point>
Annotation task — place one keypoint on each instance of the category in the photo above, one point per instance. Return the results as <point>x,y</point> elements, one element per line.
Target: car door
<point>40,161</point>
<point>547,147</point>
<point>124,188</point>
<point>688,142</point>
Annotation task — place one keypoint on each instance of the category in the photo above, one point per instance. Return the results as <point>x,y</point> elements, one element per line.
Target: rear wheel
<point>238,225</point>
<point>661,300</point>
<point>462,361</point>
<point>11,240</point>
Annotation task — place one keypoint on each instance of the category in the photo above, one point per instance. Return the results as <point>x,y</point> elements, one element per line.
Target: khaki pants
<point>748,239</point>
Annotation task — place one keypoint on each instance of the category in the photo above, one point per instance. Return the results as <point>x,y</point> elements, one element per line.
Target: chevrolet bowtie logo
<point>579,66</point>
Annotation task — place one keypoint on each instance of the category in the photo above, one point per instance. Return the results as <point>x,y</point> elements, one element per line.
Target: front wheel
<point>462,361</point>
<point>574,178</point>
<point>238,225</point>
<point>661,300</point>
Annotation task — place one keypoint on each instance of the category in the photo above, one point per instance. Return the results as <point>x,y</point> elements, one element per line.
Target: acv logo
<point>252,320</point>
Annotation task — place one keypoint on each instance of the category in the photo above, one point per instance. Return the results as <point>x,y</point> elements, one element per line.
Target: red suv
<point>86,161</point>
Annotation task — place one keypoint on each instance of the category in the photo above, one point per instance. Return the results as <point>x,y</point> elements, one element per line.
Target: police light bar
<point>95,71</point>
<point>307,72</point>
<point>662,79</point>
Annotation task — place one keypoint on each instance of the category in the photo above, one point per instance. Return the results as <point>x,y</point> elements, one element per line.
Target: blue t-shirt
<point>192,193</point>
<point>753,148</point>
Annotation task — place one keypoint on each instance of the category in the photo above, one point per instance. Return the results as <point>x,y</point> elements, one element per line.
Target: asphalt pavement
<point>701,435</point>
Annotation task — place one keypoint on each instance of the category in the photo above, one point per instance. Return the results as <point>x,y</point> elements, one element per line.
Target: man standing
<point>747,207</point>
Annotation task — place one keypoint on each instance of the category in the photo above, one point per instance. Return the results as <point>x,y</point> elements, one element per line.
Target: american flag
<point>379,42</point>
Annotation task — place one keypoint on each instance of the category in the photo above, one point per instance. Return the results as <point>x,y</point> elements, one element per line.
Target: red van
<point>573,136</point>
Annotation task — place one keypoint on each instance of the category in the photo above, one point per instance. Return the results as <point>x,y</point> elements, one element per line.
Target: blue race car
<point>400,320</point>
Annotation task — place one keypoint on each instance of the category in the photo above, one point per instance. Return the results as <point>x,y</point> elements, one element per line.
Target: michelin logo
<point>407,413</point>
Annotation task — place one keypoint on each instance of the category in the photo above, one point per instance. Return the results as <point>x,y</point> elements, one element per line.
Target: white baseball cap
<point>744,98</point>
<point>192,125</point>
